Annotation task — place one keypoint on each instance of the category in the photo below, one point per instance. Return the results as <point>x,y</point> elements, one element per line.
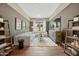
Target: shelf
<point>71,42</point>
<point>4,37</point>
<point>1,30</point>
<point>71,37</point>
<point>68,29</point>
<point>73,29</point>
<point>68,53</point>
<point>6,53</point>
<point>7,48</point>
<point>2,22</point>
<point>6,41</point>
<point>75,21</point>
<point>4,45</point>
<point>77,49</point>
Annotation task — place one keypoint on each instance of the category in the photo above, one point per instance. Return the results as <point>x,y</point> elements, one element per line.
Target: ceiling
<point>39,10</point>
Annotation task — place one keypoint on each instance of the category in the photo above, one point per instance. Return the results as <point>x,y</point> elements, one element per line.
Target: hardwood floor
<point>40,49</point>
<point>44,41</point>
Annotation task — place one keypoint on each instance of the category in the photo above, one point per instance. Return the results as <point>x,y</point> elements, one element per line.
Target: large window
<point>39,26</point>
<point>18,24</point>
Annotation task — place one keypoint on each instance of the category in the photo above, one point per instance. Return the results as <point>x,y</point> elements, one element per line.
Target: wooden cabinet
<point>58,37</point>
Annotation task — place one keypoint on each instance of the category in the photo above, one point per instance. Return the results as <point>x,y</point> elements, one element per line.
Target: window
<point>18,24</point>
<point>23,25</point>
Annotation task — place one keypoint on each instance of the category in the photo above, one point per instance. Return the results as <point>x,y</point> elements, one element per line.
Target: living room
<point>39,29</point>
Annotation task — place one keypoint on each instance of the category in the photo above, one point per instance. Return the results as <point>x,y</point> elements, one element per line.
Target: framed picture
<point>18,23</point>
<point>51,25</point>
<point>23,25</point>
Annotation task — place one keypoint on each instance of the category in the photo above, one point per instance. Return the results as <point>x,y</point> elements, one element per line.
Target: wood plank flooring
<point>40,49</point>
<point>44,41</point>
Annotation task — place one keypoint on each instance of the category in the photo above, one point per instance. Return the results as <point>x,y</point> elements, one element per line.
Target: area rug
<point>44,41</point>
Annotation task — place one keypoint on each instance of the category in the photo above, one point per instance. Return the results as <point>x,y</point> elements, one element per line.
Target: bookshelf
<point>72,39</point>
<point>6,45</point>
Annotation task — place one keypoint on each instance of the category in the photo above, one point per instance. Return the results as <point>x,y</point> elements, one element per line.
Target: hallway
<point>40,29</point>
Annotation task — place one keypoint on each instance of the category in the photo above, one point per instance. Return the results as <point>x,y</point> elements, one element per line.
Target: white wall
<point>9,14</point>
<point>67,14</point>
